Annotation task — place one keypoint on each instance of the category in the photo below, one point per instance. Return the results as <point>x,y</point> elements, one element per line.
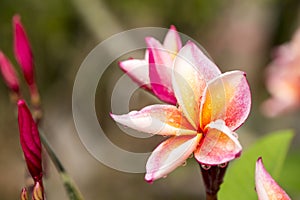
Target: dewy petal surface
<point>160,70</point>
<point>192,71</point>
<point>218,146</point>
<point>266,187</point>
<point>227,97</point>
<point>138,71</point>
<point>172,41</point>
<point>157,119</point>
<point>170,154</point>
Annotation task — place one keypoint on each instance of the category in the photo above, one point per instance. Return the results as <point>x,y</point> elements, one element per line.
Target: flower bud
<point>30,141</point>
<point>9,74</point>
<point>22,50</point>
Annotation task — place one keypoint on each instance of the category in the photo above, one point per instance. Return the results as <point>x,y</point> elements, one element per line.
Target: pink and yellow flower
<point>266,187</point>
<point>153,73</point>
<point>283,79</point>
<point>210,107</point>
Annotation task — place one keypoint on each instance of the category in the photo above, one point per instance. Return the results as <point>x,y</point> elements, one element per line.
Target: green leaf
<point>239,180</point>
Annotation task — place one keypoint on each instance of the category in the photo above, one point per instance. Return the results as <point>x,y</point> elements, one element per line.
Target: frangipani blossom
<point>283,79</point>
<point>266,187</point>
<point>211,106</point>
<point>153,73</point>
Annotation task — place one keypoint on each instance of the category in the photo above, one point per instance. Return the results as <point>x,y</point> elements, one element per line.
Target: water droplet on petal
<point>235,135</point>
<point>205,167</point>
<point>229,146</point>
<point>279,196</point>
<point>223,165</point>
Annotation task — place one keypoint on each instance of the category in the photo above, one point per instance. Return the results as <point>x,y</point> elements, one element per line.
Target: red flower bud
<point>22,50</point>
<point>9,74</point>
<point>30,141</point>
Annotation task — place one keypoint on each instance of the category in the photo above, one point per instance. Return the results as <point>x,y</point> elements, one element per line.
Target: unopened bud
<point>30,141</point>
<point>9,74</point>
<point>22,50</point>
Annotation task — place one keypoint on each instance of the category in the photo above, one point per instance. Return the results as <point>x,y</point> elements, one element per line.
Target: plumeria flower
<point>283,79</point>
<point>153,73</point>
<point>31,146</point>
<point>266,187</point>
<point>211,106</point>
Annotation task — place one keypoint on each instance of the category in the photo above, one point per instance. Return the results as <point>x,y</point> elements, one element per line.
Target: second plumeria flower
<point>153,73</point>
<point>283,79</point>
<point>211,106</point>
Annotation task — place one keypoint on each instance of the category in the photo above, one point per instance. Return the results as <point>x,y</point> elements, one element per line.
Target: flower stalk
<point>213,177</point>
<point>71,188</point>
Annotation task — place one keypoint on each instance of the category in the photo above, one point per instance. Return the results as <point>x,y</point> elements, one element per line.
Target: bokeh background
<point>237,35</point>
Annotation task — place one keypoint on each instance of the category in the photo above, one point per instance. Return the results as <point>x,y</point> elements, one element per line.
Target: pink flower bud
<point>9,73</point>
<point>30,141</point>
<point>22,50</point>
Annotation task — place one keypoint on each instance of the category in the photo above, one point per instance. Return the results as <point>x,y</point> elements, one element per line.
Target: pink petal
<point>30,141</point>
<point>218,146</point>
<point>228,98</point>
<point>170,154</point>
<point>160,70</point>
<point>265,185</point>
<point>9,73</point>
<point>172,40</point>
<point>138,71</point>
<point>157,119</point>
<point>22,50</point>
<point>192,71</point>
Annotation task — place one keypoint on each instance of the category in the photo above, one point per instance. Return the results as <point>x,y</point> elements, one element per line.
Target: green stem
<point>71,188</point>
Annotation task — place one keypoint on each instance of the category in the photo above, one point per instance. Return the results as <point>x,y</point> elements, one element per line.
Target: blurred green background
<point>237,35</point>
